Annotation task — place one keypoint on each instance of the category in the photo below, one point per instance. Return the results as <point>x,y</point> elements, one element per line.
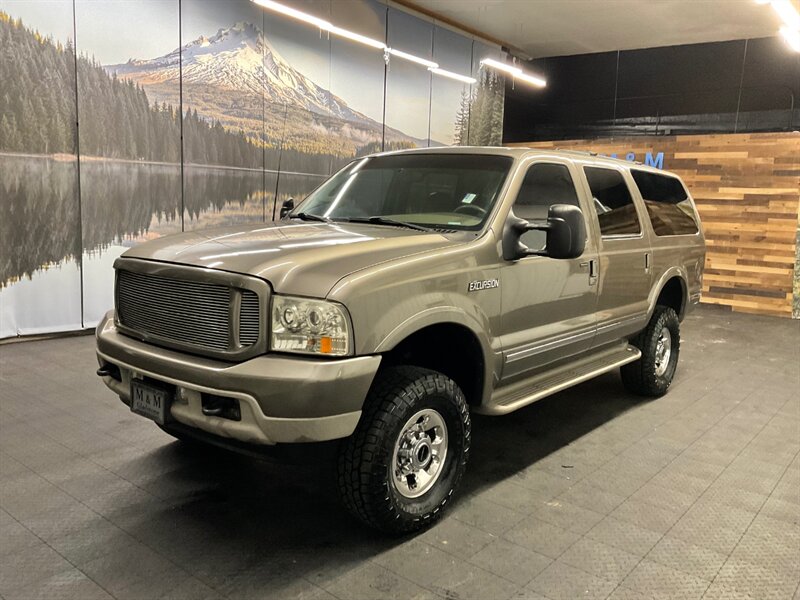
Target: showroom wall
<point>703,110</point>
<point>124,121</point>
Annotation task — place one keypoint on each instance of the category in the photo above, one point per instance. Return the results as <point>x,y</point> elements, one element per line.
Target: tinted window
<point>667,202</point>
<point>612,202</point>
<point>545,184</point>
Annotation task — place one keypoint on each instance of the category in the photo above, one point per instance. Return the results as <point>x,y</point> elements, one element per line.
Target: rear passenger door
<point>625,254</point>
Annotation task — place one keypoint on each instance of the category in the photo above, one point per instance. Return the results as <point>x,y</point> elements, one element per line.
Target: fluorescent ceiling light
<point>356,37</point>
<point>792,37</point>
<point>294,13</point>
<point>787,13</point>
<point>515,72</point>
<point>532,79</point>
<point>321,23</point>
<point>501,66</point>
<point>378,45</point>
<point>410,57</point>
<point>451,75</point>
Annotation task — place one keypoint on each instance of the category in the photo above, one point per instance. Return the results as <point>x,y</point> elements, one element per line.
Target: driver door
<point>548,304</point>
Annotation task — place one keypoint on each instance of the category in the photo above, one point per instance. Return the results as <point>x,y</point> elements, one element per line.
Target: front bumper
<point>282,399</point>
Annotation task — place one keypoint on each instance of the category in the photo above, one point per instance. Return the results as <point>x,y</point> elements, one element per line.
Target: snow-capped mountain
<point>239,58</point>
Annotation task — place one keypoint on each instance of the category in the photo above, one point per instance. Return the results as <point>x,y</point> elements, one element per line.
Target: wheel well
<point>448,348</point>
<point>672,295</point>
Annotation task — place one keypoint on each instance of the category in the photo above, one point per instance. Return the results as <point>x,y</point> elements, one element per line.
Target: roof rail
<point>589,152</point>
<point>593,153</point>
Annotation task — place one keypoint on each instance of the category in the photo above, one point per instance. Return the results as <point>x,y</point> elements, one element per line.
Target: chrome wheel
<point>419,453</point>
<point>663,351</point>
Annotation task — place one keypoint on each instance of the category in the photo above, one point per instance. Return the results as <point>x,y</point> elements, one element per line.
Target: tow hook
<point>109,370</point>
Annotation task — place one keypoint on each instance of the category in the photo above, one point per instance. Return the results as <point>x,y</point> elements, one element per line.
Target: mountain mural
<point>254,128</point>
<point>238,78</point>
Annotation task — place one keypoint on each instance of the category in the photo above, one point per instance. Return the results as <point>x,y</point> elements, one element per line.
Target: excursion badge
<point>485,284</point>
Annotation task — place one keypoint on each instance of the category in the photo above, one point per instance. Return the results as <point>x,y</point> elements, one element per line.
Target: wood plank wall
<point>747,190</point>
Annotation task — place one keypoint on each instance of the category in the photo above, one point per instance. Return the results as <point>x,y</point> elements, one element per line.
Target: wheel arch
<point>672,290</point>
<point>445,341</point>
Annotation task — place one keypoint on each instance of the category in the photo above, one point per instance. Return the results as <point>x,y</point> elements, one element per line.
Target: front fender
<point>392,301</point>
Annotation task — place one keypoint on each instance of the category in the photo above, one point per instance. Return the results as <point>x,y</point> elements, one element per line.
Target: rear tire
<point>401,466</point>
<point>660,343</point>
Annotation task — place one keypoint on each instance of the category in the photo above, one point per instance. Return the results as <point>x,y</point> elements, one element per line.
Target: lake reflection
<point>44,232</point>
<point>39,215</point>
<point>122,203</point>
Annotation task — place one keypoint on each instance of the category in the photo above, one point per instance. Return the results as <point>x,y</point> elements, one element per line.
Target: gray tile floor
<point>588,494</point>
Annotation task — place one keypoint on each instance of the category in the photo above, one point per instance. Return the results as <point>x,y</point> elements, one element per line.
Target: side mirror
<point>566,234</point>
<point>287,207</point>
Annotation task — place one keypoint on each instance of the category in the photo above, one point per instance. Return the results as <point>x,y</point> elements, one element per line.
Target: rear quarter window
<point>668,205</point>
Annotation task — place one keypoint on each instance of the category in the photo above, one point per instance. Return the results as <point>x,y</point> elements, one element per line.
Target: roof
<point>520,153</point>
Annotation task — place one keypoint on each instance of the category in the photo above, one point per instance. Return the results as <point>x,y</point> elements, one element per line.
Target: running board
<point>517,395</point>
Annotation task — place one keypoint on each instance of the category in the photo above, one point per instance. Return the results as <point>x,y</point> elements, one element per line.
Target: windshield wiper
<point>304,216</point>
<point>387,221</point>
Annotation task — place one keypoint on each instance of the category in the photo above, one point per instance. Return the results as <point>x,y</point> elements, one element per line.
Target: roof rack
<point>589,152</point>
<point>593,153</point>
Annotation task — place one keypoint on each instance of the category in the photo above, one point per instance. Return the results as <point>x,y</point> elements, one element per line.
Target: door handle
<point>592,265</point>
<point>646,262</point>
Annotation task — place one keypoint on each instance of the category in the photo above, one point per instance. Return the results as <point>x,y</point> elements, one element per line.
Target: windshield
<point>440,191</point>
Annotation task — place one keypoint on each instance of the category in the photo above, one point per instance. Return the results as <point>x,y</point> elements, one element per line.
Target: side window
<point>667,202</point>
<point>544,184</point>
<point>612,202</point>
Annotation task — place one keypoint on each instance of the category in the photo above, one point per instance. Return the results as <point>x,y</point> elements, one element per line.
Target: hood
<point>306,259</point>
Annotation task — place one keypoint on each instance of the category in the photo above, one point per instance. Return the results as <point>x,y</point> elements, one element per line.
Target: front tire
<point>404,461</point>
<point>660,344</point>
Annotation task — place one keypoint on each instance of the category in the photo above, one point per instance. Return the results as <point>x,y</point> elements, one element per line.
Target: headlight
<point>309,326</point>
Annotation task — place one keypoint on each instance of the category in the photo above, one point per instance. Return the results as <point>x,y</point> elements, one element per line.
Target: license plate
<point>149,401</point>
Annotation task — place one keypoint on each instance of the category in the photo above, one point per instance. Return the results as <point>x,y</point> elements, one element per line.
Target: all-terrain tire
<point>365,462</point>
<point>642,377</point>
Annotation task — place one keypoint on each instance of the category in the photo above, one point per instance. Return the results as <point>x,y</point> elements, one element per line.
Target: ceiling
<point>561,27</point>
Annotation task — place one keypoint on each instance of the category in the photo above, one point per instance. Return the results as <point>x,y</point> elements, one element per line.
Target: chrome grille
<point>249,318</point>
<point>172,309</point>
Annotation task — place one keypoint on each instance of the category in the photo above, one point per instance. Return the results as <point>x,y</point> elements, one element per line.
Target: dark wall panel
<point>580,91</point>
<point>770,65</point>
<point>588,77</point>
<point>675,70</point>
<point>736,86</point>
